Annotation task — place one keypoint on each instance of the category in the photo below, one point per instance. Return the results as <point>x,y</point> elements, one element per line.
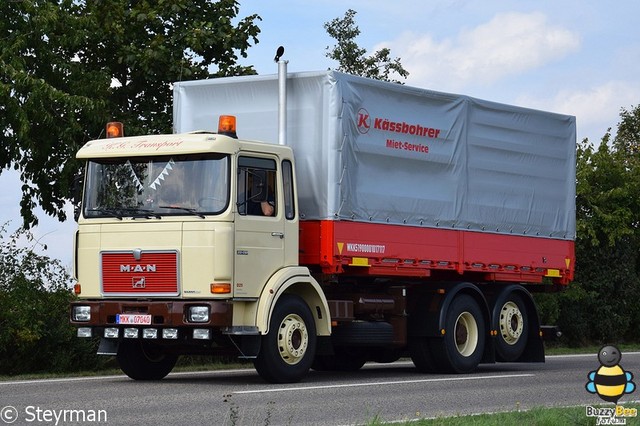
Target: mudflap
<point>534,351</point>
<point>108,347</point>
<point>249,346</point>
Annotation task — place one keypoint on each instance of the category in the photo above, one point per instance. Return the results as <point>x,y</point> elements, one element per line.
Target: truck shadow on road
<point>371,372</point>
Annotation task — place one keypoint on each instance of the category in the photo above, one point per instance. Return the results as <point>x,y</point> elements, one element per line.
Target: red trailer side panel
<point>393,250</point>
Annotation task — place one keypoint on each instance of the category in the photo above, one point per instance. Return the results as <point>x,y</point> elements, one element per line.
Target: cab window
<point>257,186</point>
<point>287,184</point>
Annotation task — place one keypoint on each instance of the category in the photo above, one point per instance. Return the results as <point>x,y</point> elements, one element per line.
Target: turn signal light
<point>77,289</point>
<point>220,288</point>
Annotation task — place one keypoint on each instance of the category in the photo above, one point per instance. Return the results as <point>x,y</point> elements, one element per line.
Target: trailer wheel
<point>142,361</point>
<point>288,349</point>
<point>460,349</point>
<point>513,329</point>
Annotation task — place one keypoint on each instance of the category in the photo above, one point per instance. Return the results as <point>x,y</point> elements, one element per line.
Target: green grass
<point>534,417</point>
<point>185,364</point>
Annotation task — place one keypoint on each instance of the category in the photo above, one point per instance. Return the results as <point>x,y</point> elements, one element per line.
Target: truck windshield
<point>157,186</point>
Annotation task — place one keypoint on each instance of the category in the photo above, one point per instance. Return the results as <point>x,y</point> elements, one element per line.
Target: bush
<point>35,291</point>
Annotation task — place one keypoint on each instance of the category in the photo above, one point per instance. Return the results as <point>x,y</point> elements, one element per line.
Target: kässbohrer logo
<point>386,125</point>
<point>364,122</point>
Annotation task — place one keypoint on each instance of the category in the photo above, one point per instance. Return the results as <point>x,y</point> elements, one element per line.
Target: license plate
<point>133,319</point>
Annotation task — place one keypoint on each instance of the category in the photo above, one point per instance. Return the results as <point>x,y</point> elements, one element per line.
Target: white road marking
<point>217,372</point>
<point>394,382</point>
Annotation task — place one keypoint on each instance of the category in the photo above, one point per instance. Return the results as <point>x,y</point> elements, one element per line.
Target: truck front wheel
<point>288,349</point>
<point>142,361</point>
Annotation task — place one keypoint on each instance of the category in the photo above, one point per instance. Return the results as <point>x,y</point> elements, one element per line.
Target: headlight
<point>131,333</point>
<point>198,314</point>
<point>170,333</point>
<point>85,332</point>
<point>111,333</point>
<point>81,313</point>
<point>201,334</point>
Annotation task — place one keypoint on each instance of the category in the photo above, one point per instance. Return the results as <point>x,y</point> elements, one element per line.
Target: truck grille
<point>144,273</point>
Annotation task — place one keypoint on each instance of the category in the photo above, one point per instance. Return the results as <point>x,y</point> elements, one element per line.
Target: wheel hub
<point>511,323</point>
<point>466,334</point>
<point>293,339</point>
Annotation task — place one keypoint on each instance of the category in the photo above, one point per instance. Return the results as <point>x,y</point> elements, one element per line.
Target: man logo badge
<point>138,282</point>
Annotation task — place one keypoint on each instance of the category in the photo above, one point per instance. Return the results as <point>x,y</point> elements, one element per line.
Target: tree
<point>627,139</point>
<point>352,58</point>
<point>600,306</point>
<point>68,66</point>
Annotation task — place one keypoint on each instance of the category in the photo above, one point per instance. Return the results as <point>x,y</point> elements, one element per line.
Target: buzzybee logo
<point>610,381</point>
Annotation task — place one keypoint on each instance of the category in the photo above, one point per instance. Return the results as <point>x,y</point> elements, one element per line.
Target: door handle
<point>278,234</point>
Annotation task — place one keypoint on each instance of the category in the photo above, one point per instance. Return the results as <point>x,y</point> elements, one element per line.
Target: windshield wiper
<point>185,209</point>
<point>146,213</point>
<point>120,212</point>
<point>111,212</point>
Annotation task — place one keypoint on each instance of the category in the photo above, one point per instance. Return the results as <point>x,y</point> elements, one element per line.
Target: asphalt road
<point>240,397</point>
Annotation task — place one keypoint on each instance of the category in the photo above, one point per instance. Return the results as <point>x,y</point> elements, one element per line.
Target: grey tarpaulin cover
<point>381,152</point>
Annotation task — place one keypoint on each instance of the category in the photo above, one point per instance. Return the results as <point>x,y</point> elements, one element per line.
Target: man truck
<point>373,221</point>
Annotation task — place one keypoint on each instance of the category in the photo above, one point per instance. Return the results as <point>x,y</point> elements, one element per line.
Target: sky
<point>576,57</point>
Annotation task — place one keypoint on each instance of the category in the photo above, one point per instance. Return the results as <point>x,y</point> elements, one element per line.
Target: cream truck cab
<point>189,242</point>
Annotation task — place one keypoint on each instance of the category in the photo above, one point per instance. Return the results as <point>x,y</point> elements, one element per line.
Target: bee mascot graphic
<point>610,381</point>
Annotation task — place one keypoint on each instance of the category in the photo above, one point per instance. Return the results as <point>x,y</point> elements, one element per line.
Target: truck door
<point>259,225</point>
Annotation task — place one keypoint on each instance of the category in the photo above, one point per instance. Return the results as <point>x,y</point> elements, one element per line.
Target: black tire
<point>288,350</point>
<point>460,350</point>
<point>384,355</point>
<point>144,361</point>
<point>343,359</point>
<point>420,353</point>
<point>513,328</point>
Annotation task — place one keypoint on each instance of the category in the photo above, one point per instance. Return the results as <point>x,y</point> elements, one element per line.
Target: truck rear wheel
<point>343,359</point>
<point>460,349</point>
<point>420,352</point>
<point>513,328</point>
<point>288,349</point>
<point>142,361</point>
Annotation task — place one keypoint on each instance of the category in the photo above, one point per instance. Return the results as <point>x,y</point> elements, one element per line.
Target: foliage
<point>537,416</point>
<point>600,306</point>
<point>35,335</point>
<point>352,58</point>
<point>68,66</point>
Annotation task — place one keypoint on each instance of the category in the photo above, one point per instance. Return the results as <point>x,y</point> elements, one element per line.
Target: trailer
<point>373,220</point>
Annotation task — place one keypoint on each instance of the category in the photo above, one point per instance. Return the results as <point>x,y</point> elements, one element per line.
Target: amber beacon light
<point>227,126</point>
<point>115,129</point>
